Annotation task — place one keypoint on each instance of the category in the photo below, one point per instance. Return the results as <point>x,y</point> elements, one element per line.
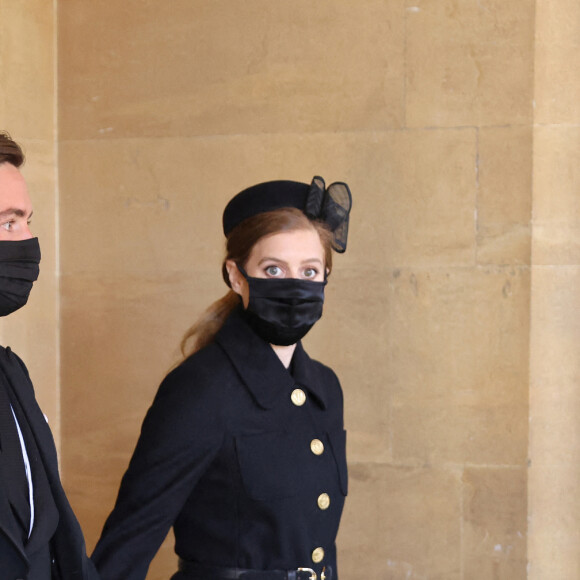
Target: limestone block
<point>554,363</point>
<point>554,433</point>
<point>504,199</point>
<point>469,63</point>
<point>554,512</point>
<point>557,54</point>
<point>27,74</point>
<point>229,68</point>
<point>401,523</point>
<point>460,362</point>
<point>39,170</point>
<point>556,237</point>
<point>144,207</point>
<point>415,198</point>
<point>495,523</point>
<point>554,507</point>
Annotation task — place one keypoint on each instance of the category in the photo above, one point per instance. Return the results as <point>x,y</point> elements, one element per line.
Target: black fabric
<point>224,457</point>
<point>264,197</point>
<point>330,205</point>
<point>19,268</point>
<point>56,530</point>
<point>13,463</point>
<point>282,311</point>
<point>40,566</point>
<point>46,515</point>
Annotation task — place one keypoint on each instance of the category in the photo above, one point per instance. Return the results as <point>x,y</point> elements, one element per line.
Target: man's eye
<point>273,270</point>
<point>7,226</point>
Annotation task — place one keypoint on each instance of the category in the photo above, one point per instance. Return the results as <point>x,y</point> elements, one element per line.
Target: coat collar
<point>260,368</point>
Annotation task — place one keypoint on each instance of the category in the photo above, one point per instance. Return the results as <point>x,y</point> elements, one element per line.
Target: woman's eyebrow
<point>279,261</point>
<point>310,260</point>
<point>267,259</point>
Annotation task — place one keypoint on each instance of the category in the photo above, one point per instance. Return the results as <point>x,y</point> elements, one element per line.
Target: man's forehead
<point>13,190</point>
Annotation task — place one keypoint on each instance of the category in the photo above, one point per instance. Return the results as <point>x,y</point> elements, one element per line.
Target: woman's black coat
<point>227,459</point>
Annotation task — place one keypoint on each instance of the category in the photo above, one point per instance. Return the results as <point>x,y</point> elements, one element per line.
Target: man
<point>40,538</point>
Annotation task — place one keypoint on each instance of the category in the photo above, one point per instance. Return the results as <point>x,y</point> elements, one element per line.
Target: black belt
<point>197,571</point>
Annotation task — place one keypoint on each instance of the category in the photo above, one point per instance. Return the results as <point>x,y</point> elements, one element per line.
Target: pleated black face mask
<point>18,271</point>
<point>282,311</point>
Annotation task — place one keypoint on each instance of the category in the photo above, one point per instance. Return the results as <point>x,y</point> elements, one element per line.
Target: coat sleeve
<point>180,436</point>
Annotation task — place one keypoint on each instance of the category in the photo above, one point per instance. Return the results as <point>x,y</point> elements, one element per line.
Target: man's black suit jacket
<point>67,544</point>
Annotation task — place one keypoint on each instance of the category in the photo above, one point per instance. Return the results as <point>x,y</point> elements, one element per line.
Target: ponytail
<point>208,324</point>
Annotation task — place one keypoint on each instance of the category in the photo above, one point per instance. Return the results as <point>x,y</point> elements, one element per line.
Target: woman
<point>243,448</point>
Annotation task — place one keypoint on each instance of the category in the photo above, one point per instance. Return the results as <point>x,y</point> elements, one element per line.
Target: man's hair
<point>10,151</point>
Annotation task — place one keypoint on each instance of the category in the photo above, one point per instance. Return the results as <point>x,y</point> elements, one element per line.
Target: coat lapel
<point>24,393</point>
<point>260,368</point>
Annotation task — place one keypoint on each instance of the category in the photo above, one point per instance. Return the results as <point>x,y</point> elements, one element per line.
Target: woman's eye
<point>310,272</point>
<point>273,271</point>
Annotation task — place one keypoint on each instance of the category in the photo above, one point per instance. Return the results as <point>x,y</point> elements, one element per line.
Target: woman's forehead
<point>295,245</point>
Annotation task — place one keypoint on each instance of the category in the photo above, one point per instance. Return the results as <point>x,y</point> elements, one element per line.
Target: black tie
<point>13,462</point>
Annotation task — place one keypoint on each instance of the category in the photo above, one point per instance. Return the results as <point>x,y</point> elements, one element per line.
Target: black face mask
<point>18,271</point>
<point>282,311</point>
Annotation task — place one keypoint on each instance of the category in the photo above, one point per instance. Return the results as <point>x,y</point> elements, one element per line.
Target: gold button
<point>323,501</point>
<point>298,397</point>
<point>317,447</point>
<point>317,555</point>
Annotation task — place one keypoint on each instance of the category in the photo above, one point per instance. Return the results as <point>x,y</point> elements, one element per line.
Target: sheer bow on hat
<point>331,205</point>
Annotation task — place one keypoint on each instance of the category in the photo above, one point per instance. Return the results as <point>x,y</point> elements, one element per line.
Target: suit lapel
<point>24,393</point>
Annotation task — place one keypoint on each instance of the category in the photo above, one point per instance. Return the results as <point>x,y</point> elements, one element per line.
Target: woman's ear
<point>235,276</point>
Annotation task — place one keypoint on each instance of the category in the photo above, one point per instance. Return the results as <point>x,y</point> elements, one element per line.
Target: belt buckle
<point>313,575</point>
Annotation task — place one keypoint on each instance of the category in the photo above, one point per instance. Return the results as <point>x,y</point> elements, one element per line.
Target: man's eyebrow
<point>13,211</point>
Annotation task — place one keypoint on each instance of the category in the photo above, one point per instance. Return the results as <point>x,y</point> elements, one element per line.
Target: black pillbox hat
<point>264,197</point>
